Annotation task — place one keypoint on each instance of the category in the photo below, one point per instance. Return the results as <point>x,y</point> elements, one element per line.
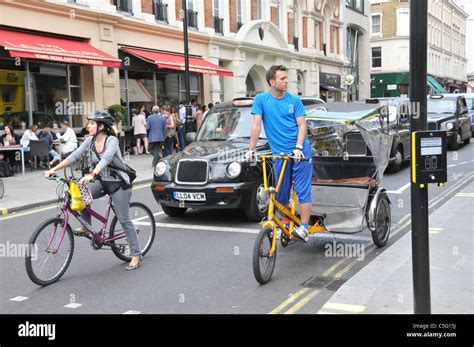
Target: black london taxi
<point>449,112</point>
<point>212,172</point>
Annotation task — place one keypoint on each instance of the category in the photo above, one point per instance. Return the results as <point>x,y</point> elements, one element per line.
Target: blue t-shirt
<point>279,119</point>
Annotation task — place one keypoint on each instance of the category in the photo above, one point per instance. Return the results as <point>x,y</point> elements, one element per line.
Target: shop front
<point>42,78</point>
<point>151,77</point>
<point>330,87</point>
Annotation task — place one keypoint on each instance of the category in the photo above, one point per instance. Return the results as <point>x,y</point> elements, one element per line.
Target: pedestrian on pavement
<point>177,127</point>
<point>209,107</point>
<point>170,130</point>
<point>182,122</point>
<point>156,127</point>
<point>198,117</point>
<point>101,151</point>
<point>283,117</point>
<point>139,131</point>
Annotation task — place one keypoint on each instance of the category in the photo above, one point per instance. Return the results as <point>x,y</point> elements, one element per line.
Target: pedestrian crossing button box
<point>429,157</point>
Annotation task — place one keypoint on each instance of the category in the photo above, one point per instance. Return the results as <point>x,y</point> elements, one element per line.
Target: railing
<point>161,11</point>
<point>192,19</point>
<point>239,25</point>
<point>124,5</point>
<point>219,25</point>
<point>296,43</point>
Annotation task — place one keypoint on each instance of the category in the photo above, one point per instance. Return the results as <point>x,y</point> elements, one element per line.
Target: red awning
<point>33,46</point>
<point>176,62</point>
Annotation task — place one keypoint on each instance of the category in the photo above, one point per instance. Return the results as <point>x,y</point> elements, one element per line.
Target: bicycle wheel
<point>2,188</point>
<point>144,223</point>
<point>263,264</point>
<point>45,264</point>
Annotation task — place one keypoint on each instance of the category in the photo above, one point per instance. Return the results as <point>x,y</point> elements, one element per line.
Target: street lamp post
<point>189,124</point>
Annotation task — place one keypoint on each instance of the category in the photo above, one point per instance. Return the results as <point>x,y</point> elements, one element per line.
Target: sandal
<point>137,265</point>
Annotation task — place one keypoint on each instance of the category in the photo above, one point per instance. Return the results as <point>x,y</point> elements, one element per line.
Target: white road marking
<point>72,305</point>
<point>19,298</point>
<point>208,228</point>
<point>344,307</point>
<point>400,190</point>
<point>132,312</point>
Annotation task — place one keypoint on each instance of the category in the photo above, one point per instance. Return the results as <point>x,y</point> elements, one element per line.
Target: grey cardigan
<point>110,155</point>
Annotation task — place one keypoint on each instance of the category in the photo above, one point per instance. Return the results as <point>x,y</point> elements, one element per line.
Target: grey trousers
<point>121,199</point>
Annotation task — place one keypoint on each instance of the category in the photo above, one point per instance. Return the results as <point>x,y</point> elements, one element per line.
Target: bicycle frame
<point>273,221</point>
<point>99,237</point>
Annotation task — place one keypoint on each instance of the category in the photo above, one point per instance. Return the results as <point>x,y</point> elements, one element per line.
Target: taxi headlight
<point>234,169</point>
<point>449,126</point>
<point>160,169</point>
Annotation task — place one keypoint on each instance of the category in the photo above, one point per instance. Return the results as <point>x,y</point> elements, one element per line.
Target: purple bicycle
<point>52,243</point>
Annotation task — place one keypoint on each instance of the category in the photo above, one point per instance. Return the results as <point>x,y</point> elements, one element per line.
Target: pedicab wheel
<point>382,223</point>
<point>263,264</point>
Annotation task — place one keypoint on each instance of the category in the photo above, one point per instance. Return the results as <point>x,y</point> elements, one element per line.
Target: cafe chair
<point>39,149</point>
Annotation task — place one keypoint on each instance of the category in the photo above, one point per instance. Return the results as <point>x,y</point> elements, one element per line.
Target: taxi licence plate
<point>185,196</point>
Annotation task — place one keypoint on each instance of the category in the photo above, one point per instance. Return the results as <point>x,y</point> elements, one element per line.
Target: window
<point>357,5</point>
<point>259,9</point>
<point>160,10</point>
<point>376,57</point>
<point>403,22</point>
<point>124,6</point>
<point>376,25</point>
<point>216,8</point>
<point>240,20</point>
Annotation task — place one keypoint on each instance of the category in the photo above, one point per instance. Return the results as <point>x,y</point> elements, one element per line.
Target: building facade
<point>468,7</point>
<point>390,40</point>
<point>66,58</point>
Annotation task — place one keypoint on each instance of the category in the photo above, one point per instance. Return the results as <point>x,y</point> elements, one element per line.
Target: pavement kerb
<point>7,211</point>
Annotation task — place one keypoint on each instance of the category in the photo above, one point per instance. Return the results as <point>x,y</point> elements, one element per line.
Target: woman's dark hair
<point>271,73</point>
<point>12,131</point>
<point>107,130</point>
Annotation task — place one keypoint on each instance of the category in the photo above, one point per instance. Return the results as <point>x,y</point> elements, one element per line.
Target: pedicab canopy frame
<point>341,123</point>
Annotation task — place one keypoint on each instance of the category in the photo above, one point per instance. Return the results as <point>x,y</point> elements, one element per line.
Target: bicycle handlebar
<point>281,157</point>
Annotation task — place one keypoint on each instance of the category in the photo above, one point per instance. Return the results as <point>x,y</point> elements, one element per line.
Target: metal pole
<point>419,196</point>
<point>189,124</point>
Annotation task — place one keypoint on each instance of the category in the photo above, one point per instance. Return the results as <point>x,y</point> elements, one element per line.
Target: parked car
<point>470,108</point>
<point>212,171</point>
<point>449,112</point>
<point>311,100</point>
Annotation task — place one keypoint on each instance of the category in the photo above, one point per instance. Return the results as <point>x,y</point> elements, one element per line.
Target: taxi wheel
<point>457,141</point>
<point>173,211</point>
<point>256,206</point>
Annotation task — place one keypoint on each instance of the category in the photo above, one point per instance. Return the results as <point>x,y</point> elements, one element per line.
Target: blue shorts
<point>300,173</point>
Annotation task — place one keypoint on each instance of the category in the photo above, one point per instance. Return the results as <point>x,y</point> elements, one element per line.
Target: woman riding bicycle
<point>102,151</point>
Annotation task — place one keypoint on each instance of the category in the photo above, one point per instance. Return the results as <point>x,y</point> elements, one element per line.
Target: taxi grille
<point>432,126</point>
<point>192,171</point>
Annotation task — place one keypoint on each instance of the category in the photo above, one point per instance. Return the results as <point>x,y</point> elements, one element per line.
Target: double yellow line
<point>312,293</point>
